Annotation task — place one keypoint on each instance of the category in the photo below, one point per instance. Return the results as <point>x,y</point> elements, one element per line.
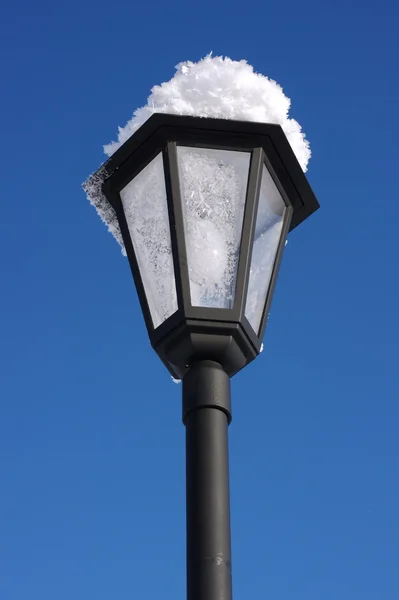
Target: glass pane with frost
<point>213,185</point>
<point>269,223</point>
<point>146,210</point>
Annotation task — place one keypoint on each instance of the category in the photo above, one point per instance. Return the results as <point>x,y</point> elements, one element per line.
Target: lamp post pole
<point>206,415</point>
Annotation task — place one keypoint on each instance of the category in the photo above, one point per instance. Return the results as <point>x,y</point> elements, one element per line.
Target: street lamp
<point>203,207</point>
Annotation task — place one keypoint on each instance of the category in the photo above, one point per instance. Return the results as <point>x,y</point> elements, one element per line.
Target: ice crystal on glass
<point>269,223</point>
<point>146,211</point>
<point>213,185</point>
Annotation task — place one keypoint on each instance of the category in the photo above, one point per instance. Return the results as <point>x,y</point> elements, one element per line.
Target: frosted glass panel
<point>269,223</point>
<point>145,206</point>
<point>213,185</point>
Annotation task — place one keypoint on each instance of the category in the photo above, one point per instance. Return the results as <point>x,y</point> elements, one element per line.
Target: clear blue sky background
<point>91,442</point>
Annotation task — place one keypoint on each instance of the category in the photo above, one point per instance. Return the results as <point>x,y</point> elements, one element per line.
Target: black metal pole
<point>206,415</point>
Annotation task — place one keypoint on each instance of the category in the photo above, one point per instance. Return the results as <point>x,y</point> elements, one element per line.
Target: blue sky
<point>91,440</point>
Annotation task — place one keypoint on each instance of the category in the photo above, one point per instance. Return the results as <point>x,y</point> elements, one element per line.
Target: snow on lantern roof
<point>214,87</point>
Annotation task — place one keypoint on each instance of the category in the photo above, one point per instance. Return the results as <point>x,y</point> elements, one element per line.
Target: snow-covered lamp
<point>204,207</point>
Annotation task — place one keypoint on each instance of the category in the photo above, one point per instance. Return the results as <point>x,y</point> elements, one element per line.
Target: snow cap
<point>220,88</point>
<point>214,87</point>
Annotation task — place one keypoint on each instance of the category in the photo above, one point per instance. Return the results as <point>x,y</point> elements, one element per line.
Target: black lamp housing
<point>193,333</point>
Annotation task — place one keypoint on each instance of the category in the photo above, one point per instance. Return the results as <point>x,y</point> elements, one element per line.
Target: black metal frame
<point>195,333</point>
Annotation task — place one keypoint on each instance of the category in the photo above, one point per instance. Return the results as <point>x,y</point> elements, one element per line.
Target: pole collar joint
<point>206,385</point>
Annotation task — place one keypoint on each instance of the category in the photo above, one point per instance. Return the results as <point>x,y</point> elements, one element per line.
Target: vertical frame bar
<point>248,231</point>
<point>177,229</point>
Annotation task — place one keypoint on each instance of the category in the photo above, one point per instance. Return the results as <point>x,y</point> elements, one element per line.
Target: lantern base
<point>226,343</point>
